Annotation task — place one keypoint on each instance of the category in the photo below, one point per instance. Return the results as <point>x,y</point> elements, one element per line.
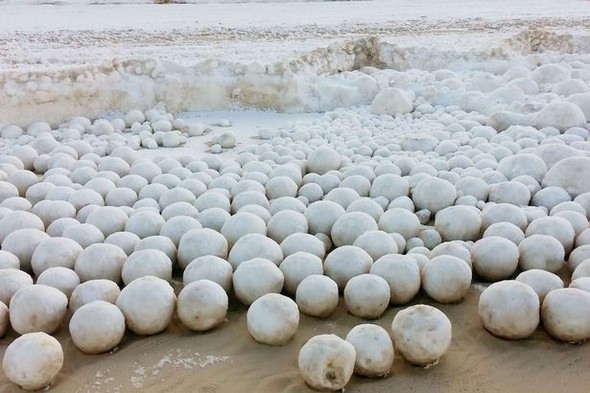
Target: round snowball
<point>317,296</point>
<point>148,262</point>
<point>240,225</point>
<point>541,252</point>
<point>55,252</point>
<point>434,194</point>
<point>392,101</point>
<point>541,281</point>
<point>326,362</point>
<point>209,267</point>
<point>62,278</point>
<point>303,242</point>
<point>322,215</point>
<point>494,258</point>
<point>199,242</point>
<point>509,309</point>
<point>566,314</point>
<point>399,220</point>
<point>402,273</point>
<point>346,262</point>
<point>273,319</point>
<point>458,223</point>
<point>297,267</point>
<point>92,290</point>
<point>374,350</point>
<point>446,279</point>
<point>11,280</point>
<point>202,305</point>
<point>322,160</point>
<point>421,334</point>
<point>148,304</point>
<point>254,245</point>
<point>10,261</point>
<point>376,243</point>
<point>100,261</point>
<point>33,360</point>
<point>350,226</point>
<point>255,278</point>
<point>366,296</point>
<point>97,327</point>
<point>37,308</point>
<point>108,219</point>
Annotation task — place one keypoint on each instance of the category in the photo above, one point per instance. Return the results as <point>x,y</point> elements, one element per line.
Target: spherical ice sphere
<point>446,279</point>
<point>434,194</point>
<point>273,319</point>
<point>317,296</point>
<point>494,258</point>
<point>11,280</point>
<point>255,245</point>
<point>350,226</point>
<point>209,267</point>
<point>297,267</point>
<point>100,261</point>
<point>322,215</point>
<point>305,242</point>
<point>241,224</point>
<point>541,252</point>
<point>322,160</point>
<point>558,227</point>
<point>148,262</point>
<point>55,252</point>
<point>400,220</point>
<point>145,223</point>
<point>202,305</point>
<point>148,304</point>
<point>108,219</point>
<point>509,309</point>
<point>10,261</point>
<point>199,242</point>
<point>366,296</point>
<point>62,278</point>
<point>285,223</point>
<point>346,262</point>
<point>37,308</point>
<point>566,314</point>
<point>458,223</point>
<point>541,281</point>
<point>374,350</point>
<point>255,278</point>
<point>97,327</point>
<point>33,360</point>
<point>376,243</point>
<point>23,243</point>
<point>92,290</point>
<point>326,362</point>
<point>421,334</point>
<point>402,273</point>
<point>582,283</point>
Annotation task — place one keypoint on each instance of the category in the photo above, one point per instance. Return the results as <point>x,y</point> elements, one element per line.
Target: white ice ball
<point>55,252</point>
<point>541,252</point>
<point>541,281</point>
<point>202,305</point>
<point>561,115</point>
<point>346,262</point>
<point>148,304</point>
<point>37,308</point>
<point>62,278</point>
<point>350,226</point>
<point>33,360</point>
<point>241,224</point>
<point>367,296</point>
<point>92,290</point>
<point>421,334</point>
<point>458,223</point>
<point>199,242</point>
<point>305,242</point>
<point>255,278</point>
<point>209,267</point>
<point>322,160</point>
<point>100,261</point>
<point>566,314</point>
<point>148,262</point>
<point>11,280</point>
<point>297,267</point>
<point>572,174</point>
<point>400,220</point>
<point>273,319</point>
<point>97,327</point>
<point>322,215</point>
<point>376,243</point>
<point>374,350</point>
<point>494,258</point>
<point>509,309</point>
<point>434,194</point>
<point>392,101</point>
<point>326,362</point>
<point>317,296</point>
<point>402,273</point>
<point>254,245</point>
<point>446,279</point>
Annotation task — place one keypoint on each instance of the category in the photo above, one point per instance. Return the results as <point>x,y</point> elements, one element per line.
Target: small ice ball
<point>509,309</point>
<point>305,242</point>
<point>54,252</point>
<point>297,267</point>
<point>582,283</point>
<point>37,308</point>
<point>33,360</point>
<point>503,212</point>
<point>374,350</point>
<point>561,115</point>
<point>285,223</point>
<point>148,262</point>
<point>8,260</point>
<point>317,296</point>
<point>421,334</point>
<point>446,279</point>
<point>506,230</point>
<point>350,226</point>
<point>209,267</point>
<point>579,255</point>
<point>389,186</point>
<point>367,296</point>
<point>346,262</point>
<point>108,219</point>
<point>92,290</point>
<point>566,314</point>
<point>434,194</point>
<point>376,243</point>
<point>402,273</point>
<point>97,327</point>
<point>202,305</point>
<point>241,224</point>
<point>494,258</point>
<point>273,319</point>
<point>392,101</point>
<point>541,252</point>
<point>255,278</point>
<point>399,220</point>
<point>148,304</point>
<point>572,174</point>
<point>100,261</point>
<point>200,242</point>
<point>11,280</point>
<point>541,281</point>
<point>582,270</point>
<point>254,245</point>
<point>326,362</point>
<point>62,278</point>
<point>458,223</point>
<point>22,243</point>
<point>322,160</point>
<point>558,227</point>
<point>322,215</point>
<point>127,241</point>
